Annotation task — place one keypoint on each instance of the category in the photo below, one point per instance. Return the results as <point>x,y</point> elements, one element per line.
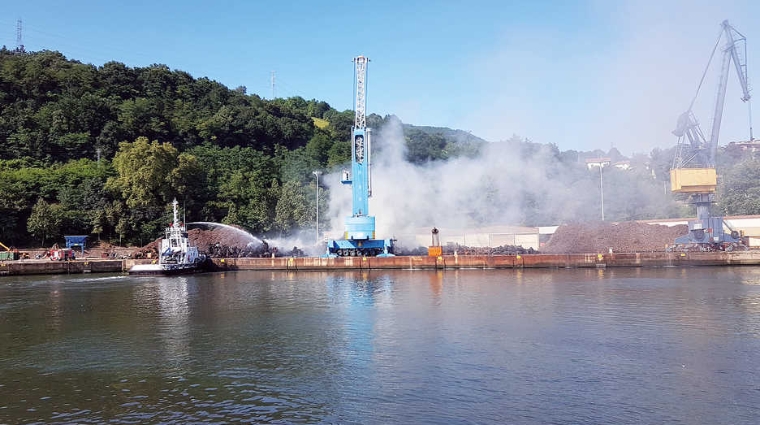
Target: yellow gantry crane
<point>693,170</point>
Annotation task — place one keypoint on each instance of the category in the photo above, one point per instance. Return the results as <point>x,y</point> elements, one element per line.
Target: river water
<point>571,346</point>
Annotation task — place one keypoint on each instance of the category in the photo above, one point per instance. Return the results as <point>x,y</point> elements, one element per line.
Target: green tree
<point>296,165</point>
<point>144,173</point>
<point>339,154</point>
<point>318,148</point>
<point>739,189</point>
<point>292,211</point>
<point>45,220</point>
<point>423,147</point>
<point>188,178</point>
<point>340,123</point>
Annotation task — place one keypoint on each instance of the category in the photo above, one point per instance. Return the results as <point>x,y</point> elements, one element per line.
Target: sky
<point>584,74</point>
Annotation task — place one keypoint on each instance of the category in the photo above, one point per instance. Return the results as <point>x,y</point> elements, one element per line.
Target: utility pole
<point>601,186</point>
<point>317,173</point>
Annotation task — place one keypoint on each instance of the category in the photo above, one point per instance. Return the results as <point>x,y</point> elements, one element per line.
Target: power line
<point>44,40</point>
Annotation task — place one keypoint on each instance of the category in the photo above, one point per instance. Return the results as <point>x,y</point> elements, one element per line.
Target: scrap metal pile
<point>450,249</point>
<point>599,237</point>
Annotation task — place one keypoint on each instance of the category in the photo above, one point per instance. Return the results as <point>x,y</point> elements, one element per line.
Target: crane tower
<point>693,170</point>
<point>359,236</point>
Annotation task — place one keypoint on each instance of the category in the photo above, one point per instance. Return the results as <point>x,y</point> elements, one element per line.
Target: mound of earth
<point>209,239</point>
<point>222,241</point>
<point>629,236</point>
<point>204,239</point>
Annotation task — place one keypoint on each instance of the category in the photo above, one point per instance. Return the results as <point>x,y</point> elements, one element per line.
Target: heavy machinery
<point>57,253</point>
<point>693,171</point>
<point>359,236</point>
<point>9,253</point>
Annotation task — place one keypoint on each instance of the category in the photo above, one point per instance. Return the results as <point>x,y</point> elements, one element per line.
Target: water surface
<point>664,345</point>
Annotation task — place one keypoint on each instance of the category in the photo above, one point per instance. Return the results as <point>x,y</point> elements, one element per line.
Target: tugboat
<point>176,255</point>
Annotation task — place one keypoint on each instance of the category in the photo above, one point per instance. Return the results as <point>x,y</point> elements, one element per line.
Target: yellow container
<point>435,251</point>
<point>693,180</point>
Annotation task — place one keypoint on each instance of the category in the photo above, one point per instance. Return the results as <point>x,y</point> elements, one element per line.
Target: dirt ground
<point>598,237</point>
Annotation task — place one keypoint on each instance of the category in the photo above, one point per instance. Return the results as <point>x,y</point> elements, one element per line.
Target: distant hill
<point>448,133</point>
<point>427,144</point>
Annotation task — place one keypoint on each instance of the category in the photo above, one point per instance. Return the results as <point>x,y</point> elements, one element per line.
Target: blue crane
<point>359,236</point>
<point>693,170</point>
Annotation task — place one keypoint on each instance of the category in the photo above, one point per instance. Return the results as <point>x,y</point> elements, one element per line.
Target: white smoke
<point>460,193</point>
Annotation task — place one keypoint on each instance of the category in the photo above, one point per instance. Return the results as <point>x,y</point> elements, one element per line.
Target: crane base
<point>360,248</point>
<point>710,234</point>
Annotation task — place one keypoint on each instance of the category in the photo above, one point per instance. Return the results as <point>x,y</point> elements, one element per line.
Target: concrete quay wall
<point>654,259</point>
<point>30,267</point>
<point>644,259</point>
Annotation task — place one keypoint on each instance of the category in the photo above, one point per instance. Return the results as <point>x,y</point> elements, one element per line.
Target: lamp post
<point>317,174</point>
<point>601,186</point>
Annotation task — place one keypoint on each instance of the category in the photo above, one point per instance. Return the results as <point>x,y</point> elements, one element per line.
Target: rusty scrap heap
<point>599,237</point>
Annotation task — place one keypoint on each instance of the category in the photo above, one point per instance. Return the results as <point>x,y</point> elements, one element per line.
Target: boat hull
<point>164,269</point>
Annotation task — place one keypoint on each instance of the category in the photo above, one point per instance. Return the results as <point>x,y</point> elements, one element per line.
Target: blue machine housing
<point>359,179</point>
<point>360,227</point>
<point>76,241</point>
<point>359,236</point>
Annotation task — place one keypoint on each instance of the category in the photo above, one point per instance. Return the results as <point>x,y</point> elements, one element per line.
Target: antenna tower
<point>19,40</point>
<point>273,91</point>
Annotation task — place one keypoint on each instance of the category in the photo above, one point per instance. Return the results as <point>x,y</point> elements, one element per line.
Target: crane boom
<point>734,51</point>
<point>699,152</point>
<point>360,95</point>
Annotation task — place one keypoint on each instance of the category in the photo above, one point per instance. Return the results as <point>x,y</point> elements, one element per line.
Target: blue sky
<point>580,74</point>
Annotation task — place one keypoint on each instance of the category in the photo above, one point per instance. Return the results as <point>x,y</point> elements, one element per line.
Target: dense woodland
<point>102,150</point>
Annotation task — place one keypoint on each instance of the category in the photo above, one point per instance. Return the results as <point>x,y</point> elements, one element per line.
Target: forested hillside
<point>102,150</point>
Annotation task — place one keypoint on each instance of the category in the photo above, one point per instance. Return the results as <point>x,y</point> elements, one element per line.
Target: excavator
<point>9,253</point>
<point>693,171</point>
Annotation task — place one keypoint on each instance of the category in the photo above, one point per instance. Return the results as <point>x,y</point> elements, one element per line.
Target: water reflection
<point>55,307</point>
<point>436,285</point>
<point>364,287</point>
<point>174,325</point>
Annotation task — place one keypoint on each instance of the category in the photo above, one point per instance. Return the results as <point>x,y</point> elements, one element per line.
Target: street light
<point>601,186</point>
<point>317,174</point>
